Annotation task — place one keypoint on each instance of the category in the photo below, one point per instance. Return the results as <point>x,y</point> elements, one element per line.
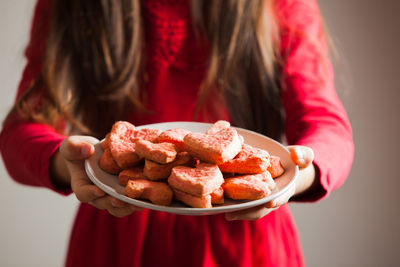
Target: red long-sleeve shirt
<point>314,117</point>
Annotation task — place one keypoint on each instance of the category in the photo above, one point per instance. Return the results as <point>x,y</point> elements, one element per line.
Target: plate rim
<point>189,210</point>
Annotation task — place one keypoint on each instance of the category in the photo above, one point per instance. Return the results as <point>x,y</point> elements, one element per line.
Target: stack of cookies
<point>198,169</point>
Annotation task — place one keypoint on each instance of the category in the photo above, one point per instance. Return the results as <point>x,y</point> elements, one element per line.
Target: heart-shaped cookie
<point>158,193</point>
<point>199,181</point>
<point>156,171</point>
<point>121,147</point>
<point>204,202</point>
<point>275,167</point>
<point>249,160</point>
<point>251,187</point>
<point>174,136</point>
<point>216,148</point>
<point>133,173</point>
<point>107,163</point>
<point>121,142</point>
<point>218,126</point>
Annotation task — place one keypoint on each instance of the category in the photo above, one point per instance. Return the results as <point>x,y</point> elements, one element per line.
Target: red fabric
<point>315,116</point>
<point>176,65</point>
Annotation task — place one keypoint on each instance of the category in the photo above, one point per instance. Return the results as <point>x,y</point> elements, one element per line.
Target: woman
<point>261,64</point>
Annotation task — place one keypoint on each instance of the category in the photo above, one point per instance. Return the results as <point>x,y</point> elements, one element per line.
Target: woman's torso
<point>175,67</point>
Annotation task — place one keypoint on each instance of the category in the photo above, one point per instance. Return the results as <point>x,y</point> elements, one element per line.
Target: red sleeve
<point>27,147</point>
<point>34,51</point>
<point>315,117</point>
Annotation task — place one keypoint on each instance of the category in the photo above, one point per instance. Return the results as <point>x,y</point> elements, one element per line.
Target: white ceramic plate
<point>109,183</point>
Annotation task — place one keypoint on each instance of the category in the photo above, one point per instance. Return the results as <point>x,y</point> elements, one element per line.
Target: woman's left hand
<point>301,156</point>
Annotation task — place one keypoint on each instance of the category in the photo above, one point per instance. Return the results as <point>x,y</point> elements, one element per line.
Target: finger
<point>74,149</point>
<point>110,202</point>
<point>282,199</point>
<point>114,206</point>
<point>301,155</point>
<point>83,188</point>
<point>85,191</point>
<point>107,202</point>
<point>124,211</point>
<point>248,214</point>
<point>77,147</point>
<point>120,212</point>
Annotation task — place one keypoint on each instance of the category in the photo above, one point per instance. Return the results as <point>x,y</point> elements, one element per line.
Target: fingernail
<point>116,204</point>
<point>85,150</point>
<point>270,204</point>
<point>300,154</point>
<point>231,218</point>
<point>301,162</point>
<point>98,193</point>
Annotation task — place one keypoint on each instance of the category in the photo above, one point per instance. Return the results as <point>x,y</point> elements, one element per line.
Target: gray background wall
<point>355,226</point>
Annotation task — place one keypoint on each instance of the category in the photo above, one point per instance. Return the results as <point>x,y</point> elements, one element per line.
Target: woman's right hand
<point>71,157</point>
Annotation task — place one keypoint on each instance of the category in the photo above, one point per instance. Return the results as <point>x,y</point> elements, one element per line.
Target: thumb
<point>301,155</point>
<point>77,147</point>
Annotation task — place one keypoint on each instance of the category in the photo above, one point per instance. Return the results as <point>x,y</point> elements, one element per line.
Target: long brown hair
<point>93,59</point>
